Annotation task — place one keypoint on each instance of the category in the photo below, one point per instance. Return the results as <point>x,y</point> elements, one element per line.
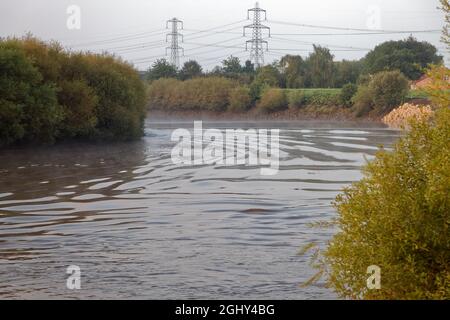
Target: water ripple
<point>140,226</point>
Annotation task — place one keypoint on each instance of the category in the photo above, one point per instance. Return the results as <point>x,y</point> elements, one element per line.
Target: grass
<point>312,91</point>
<point>417,94</point>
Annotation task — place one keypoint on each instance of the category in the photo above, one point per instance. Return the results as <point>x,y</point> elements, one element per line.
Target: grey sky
<point>104,21</point>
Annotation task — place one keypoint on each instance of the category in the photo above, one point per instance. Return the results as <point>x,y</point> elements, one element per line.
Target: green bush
<point>389,90</point>
<point>28,106</point>
<point>257,88</point>
<point>49,94</point>
<point>363,101</point>
<point>385,91</point>
<point>296,99</point>
<point>398,218</point>
<point>268,75</point>
<point>79,102</point>
<point>348,92</point>
<point>273,100</point>
<point>120,110</point>
<point>239,99</point>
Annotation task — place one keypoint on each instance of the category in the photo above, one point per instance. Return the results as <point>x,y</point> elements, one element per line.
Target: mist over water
<point>141,227</point>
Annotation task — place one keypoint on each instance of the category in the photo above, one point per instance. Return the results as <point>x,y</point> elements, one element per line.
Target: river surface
<point>139,226</point>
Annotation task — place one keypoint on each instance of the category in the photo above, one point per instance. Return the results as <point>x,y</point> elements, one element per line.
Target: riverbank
<point>307,113</point>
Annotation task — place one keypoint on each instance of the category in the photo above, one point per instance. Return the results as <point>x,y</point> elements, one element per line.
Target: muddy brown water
<point>139,226</point>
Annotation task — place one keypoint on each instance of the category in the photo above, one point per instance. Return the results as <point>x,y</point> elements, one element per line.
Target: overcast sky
<point>134,29</point>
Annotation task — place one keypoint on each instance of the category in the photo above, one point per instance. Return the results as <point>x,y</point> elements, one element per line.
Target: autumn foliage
<point>403,115</point>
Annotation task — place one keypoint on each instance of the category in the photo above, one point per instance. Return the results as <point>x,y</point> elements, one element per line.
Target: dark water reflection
<point>141,227</point>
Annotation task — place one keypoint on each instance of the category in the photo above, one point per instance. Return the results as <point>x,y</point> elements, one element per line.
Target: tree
<point>231,66</point>
<point>161,69</point>
<point>321,67</point>
<point>409,56</point>
<point>445,32</point>
<point>268,75</point>
<point>248,67</point>
<point>191,69</point>
<point>294,70</point>
<point>346,72</point>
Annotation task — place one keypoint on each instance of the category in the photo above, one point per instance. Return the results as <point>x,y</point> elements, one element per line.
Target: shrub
<point>257,88</point>
<point>121,97</point>
<point>389,89</point>
<point>347,93</point>
<point>28,106</point>
<point>273,100</point>
<point>362,101</point>
<point>397,217</point>
<point>160,91</point>
<point>79,102</point>
<point>209,94</point>
<point>239,99</point>
<point>48,94</point>
<point>296,99</point>
<point>385,90</point>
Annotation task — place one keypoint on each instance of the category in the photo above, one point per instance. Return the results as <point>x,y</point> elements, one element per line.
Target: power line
<point>139,46</point>
<point>320,44</point>
<point>120,39</point>
<point>234,54</point>
<point>211,33</point>
<point>201,45</point>
<point>147,59</point>
<point>355,33</point>
<point>223,56</point>
<point>214,45</point>
<point>218,27</point>
<point>351,29</point>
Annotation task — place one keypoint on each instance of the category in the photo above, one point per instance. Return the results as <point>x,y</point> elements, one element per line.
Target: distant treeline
<point>375,95</point>
<point>49,94</point>
<point>318,70</point>
<point>373,85</point>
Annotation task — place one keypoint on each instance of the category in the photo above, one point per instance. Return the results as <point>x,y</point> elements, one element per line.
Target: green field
<point>312,91</point>
<point>315,97</point>
<point>417,94</point>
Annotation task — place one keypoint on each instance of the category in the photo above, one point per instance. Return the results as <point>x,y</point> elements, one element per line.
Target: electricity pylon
<point>257,42</point>
<point>174,41</point>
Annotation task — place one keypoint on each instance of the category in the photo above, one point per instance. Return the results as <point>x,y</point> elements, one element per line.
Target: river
<point>139,226</point>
